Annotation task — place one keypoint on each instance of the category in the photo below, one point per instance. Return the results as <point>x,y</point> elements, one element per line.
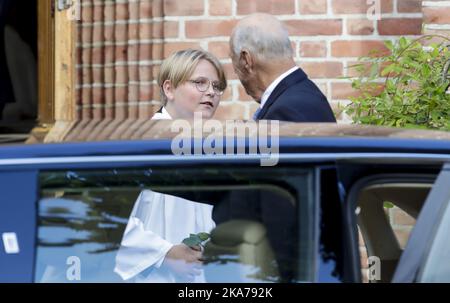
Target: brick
<point>170,48</point>
<point>108,33</point>
<point>98,12</point>
<point>133,10</point>
<point>402,236</point>
<point>145,9</point>
<point>402,218</point>
<point>364,257</point>
<point>356,48</point>
<point>145,73</point>
<point>227,94</point>
<point>243,95</point>
<point>121,33</point>
<point>323,88</point>
<point>155,50</point>
<point>87,14</point>
<point>314,27</point>
<point>171,29</point>
<point>229,71</point>
<point>246,7</point>
<point>338,106</point>
<point>146,52</point>
<point>442,32</point>
<point>313,49</point>
<point>230,111</point>
<point>97,55</point>
<point>220,7</point>
<point>86,35</point>
<point>108,13</point>
<point>343,91</point>
<point>360,27</point>
<point>132,52</point>
<point>322,69</point>
<point>120,52</point>
<point>151,30</point>
<point>219,49</point>
<point>121,11</point>
<point>308,7</point>
<point>409,6</point>
<point>400,26</point>
<point>253,106</point>
<point>133,31</point>
<point>157,9</point>
<point>121,76</point>
<point>133,73</point>
<point>183,7</point>
<point>98,95</point>
<point>209,28</point>
<point>359,6</point>
<point>436,15</point>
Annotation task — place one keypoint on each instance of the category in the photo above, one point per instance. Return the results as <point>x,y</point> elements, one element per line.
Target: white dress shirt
<point>163,115</point>
<point>269,90</point>
<point>157,222</point>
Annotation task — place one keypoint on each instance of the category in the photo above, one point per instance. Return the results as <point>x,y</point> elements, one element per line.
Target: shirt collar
<point>163,115</point>
<point>274,84</point>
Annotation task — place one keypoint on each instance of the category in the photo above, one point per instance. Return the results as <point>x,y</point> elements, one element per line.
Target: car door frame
<point>416,251</point>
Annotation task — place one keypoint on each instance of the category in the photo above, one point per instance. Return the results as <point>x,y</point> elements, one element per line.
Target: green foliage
<point>387,204</point>
<point>405,87</point>
<point>196,239</point>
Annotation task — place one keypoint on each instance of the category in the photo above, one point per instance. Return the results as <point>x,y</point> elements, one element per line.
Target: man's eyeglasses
<point>203,84</point>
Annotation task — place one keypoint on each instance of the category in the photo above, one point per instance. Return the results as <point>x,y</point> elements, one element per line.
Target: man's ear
<point>168,89</point>
<point>246,60</point>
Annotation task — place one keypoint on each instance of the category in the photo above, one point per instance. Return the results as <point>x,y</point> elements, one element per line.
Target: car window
<point>437,267</point>
<point>386,216</point>
<point>401,222</point>
<point>119,225</point>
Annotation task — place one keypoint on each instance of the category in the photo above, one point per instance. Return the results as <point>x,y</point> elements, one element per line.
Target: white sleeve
<point>140,247</point>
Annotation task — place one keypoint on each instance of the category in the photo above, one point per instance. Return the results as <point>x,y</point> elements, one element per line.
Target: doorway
<point>18,69</point>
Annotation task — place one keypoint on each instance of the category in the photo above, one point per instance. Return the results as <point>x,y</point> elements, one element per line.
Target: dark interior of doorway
<point>18,69</point>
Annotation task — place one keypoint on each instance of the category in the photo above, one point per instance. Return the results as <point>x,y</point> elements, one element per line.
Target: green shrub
<point>404,87</point>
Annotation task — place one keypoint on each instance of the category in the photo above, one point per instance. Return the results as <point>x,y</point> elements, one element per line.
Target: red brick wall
<point>437,17</point>
<point>121,44</point>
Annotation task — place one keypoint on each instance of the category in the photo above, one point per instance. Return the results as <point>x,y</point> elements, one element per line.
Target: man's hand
<point>184,261</point>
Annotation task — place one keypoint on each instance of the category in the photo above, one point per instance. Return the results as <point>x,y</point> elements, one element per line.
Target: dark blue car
<point>65,207</point>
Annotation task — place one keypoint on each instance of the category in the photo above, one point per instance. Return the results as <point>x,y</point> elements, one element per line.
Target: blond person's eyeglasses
<point>203,85</point>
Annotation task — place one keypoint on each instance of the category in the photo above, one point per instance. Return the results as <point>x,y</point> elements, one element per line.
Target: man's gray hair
<point>266,44</point>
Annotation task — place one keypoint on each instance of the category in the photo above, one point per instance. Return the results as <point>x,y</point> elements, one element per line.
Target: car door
<point>426,255</point>
<point>367,185</point>
<point>17,224</point>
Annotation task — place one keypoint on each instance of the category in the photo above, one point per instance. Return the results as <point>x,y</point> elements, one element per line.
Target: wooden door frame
<point>56,72</point>
<point>46,62</point>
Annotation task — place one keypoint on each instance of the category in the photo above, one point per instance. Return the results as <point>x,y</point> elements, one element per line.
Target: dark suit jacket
<point>297,99</point>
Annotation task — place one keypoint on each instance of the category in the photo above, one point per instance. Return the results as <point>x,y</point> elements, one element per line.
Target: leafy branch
<point>196,240</point>
<point>413,93</point>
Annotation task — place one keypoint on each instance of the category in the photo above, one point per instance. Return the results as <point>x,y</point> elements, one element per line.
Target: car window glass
<point>386,214</point>
<point>401,222</point>
<point>119,225</point>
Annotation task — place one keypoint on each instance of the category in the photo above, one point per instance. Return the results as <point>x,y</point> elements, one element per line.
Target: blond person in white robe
<point>151,249</point>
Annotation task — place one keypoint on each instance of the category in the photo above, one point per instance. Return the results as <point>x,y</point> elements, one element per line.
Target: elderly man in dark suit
<point>262,58</point>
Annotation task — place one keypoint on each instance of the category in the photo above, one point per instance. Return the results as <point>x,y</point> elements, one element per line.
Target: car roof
<point>155,137</point>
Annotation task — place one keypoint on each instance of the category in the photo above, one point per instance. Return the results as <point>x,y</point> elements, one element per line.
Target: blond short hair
<point>180,66</point>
